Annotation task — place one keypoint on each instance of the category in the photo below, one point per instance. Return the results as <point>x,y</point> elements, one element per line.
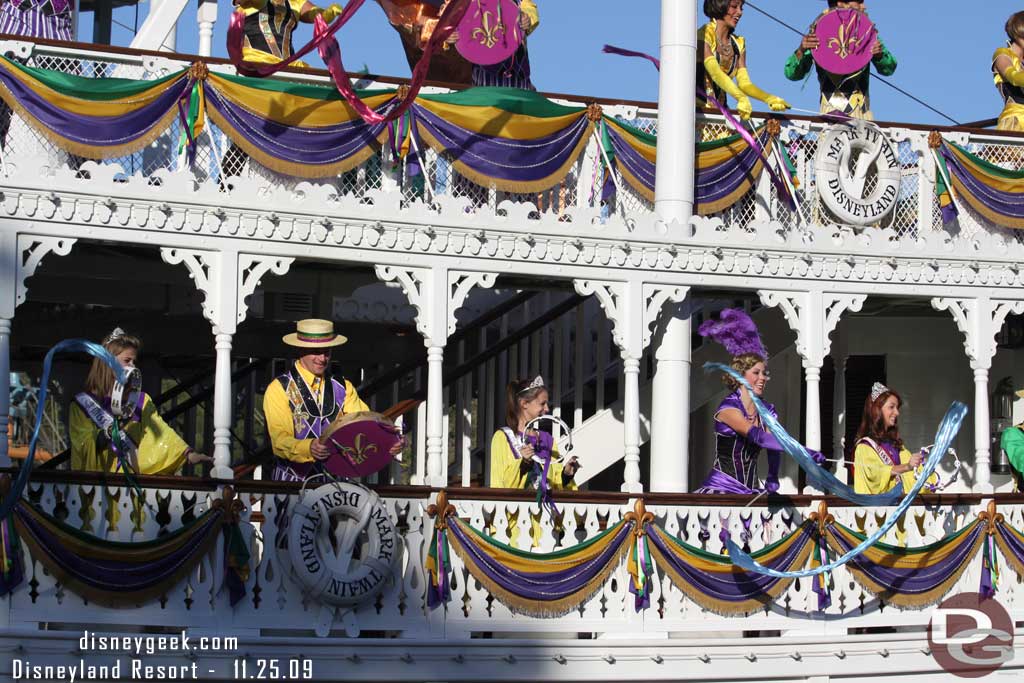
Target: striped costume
<point>49,19</point>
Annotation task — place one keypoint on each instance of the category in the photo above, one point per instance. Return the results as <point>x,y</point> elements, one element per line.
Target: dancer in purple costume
<point>739,436</point>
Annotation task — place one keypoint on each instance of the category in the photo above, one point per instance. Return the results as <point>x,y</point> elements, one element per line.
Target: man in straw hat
<point>1012,443</point>
<point>303,402</point>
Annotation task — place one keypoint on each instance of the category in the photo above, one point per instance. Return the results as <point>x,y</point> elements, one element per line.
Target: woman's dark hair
<point>872,424</point>
<point>717,9</point>
<point>519,390</point>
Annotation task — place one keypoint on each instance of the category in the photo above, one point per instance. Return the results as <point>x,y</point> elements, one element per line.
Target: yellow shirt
<point>872,476</point>
<point>278,412</point>
<point>507,471</point>
<point>161,450</point>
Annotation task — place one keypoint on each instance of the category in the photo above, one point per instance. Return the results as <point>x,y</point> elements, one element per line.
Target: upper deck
<point>467,208</point>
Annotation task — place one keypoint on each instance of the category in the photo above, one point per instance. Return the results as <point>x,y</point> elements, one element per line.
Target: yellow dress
<point>160,449</point>
<point>278,412</point>
<point>507,471</point>
<point>1012,116</point>
<point>873,476</point>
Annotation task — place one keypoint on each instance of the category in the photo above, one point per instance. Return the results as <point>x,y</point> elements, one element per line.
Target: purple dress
<point>37,18</point>
<point>735,468</point>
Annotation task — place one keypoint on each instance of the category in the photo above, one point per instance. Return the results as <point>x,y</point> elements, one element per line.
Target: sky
<point>943,47</point>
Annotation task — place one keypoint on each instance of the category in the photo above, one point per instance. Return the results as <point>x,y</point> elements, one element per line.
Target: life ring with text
<point>359,562</point>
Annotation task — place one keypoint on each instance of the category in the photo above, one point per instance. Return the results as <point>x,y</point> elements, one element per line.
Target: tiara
<point>118,333</point>
<point>537,383</point>
<point>877,389</point>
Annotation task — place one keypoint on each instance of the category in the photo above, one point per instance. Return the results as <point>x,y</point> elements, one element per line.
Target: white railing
<point>916,211</point>
<point>275,603</point>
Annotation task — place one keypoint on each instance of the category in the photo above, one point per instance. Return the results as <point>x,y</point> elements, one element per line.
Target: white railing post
<point>206,16</point>
<point>841,416</point>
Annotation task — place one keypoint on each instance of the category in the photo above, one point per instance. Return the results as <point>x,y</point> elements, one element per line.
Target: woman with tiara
<point>522,458</point>
<point>880,460</point>
<point>739,434</point>
<point>157,448</point>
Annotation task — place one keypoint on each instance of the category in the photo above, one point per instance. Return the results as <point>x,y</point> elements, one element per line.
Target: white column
<point>812,418</point>
<point>222,420</point>
<point>982,436</point>
<point>980,319</point>
<point>437,466</point>
<point>670,402</point>
<point>676,110</point>
<point>840,416</point>
<point>5,389</point>
<point>631,418</point>
<point>206,17</point>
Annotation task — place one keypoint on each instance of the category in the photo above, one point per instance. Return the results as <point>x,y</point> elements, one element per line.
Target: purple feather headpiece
<point>735,331</point>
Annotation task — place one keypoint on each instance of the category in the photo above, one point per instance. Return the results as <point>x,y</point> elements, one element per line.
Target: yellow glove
<point>746,85</point>
<point>1014,76</point>
<point>725,83</point>
<point>331,13</point>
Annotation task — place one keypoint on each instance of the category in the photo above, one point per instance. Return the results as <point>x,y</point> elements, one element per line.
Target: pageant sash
<point>105,422</point>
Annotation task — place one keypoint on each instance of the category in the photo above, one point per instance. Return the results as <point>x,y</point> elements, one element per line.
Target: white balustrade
<point>275,601</point>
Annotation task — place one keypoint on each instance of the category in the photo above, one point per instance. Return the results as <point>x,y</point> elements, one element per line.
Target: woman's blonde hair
<point>741,364</point>
<point>100,379</point>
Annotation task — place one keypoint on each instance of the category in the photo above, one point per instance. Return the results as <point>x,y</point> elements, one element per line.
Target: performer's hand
<point>915,460</point>
<point>527,452</point>
<point>876,49</point>
<point>810,42</point>
<point>397,448</point>
<point>776,103</point>
<point>195,457</point>
<point>318,450</point>
<point>819,458</point>
<point>571,467</point>
<point>744,107</point>
<point>452,38</point>
<point>771,485</point>
<point>332,12</point>
<point>524,21</point>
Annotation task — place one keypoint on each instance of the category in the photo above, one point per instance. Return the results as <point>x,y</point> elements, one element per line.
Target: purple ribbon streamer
<point>720,482</point>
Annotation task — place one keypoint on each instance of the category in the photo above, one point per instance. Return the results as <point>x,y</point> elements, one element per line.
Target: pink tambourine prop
<point>489,32</point>
<point>361,444</point>
<point>845,39</point>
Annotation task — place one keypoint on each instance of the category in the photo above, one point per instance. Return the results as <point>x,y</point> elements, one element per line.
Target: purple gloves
<point>765,440</point>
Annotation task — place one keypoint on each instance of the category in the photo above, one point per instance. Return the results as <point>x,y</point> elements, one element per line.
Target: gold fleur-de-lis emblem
<point>846,40</point>
<point>488,34</point>
<point>359,451</point>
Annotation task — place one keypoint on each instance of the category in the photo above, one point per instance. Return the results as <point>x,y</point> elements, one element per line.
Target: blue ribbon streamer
<point>818,477</point>
<point>69,346</point>
<point>947,431</point>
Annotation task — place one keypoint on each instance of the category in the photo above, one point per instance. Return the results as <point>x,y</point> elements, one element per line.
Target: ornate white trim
<point>201,266</point>
<point>655,297</point>
<point>251,270</point>
<point>611,297</point>
<point>416,285</point>
<point>813,316</point>
<point>980,321</point>
<point>31,250</point>
<point>459,285</point>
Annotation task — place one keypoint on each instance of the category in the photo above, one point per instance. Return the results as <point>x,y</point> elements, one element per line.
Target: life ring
<point>339,578</point>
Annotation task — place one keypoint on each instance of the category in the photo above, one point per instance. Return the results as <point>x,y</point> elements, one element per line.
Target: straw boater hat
<point>314,334</point>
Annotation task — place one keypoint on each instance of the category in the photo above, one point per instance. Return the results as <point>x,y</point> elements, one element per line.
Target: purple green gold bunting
<point>912,578</point>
